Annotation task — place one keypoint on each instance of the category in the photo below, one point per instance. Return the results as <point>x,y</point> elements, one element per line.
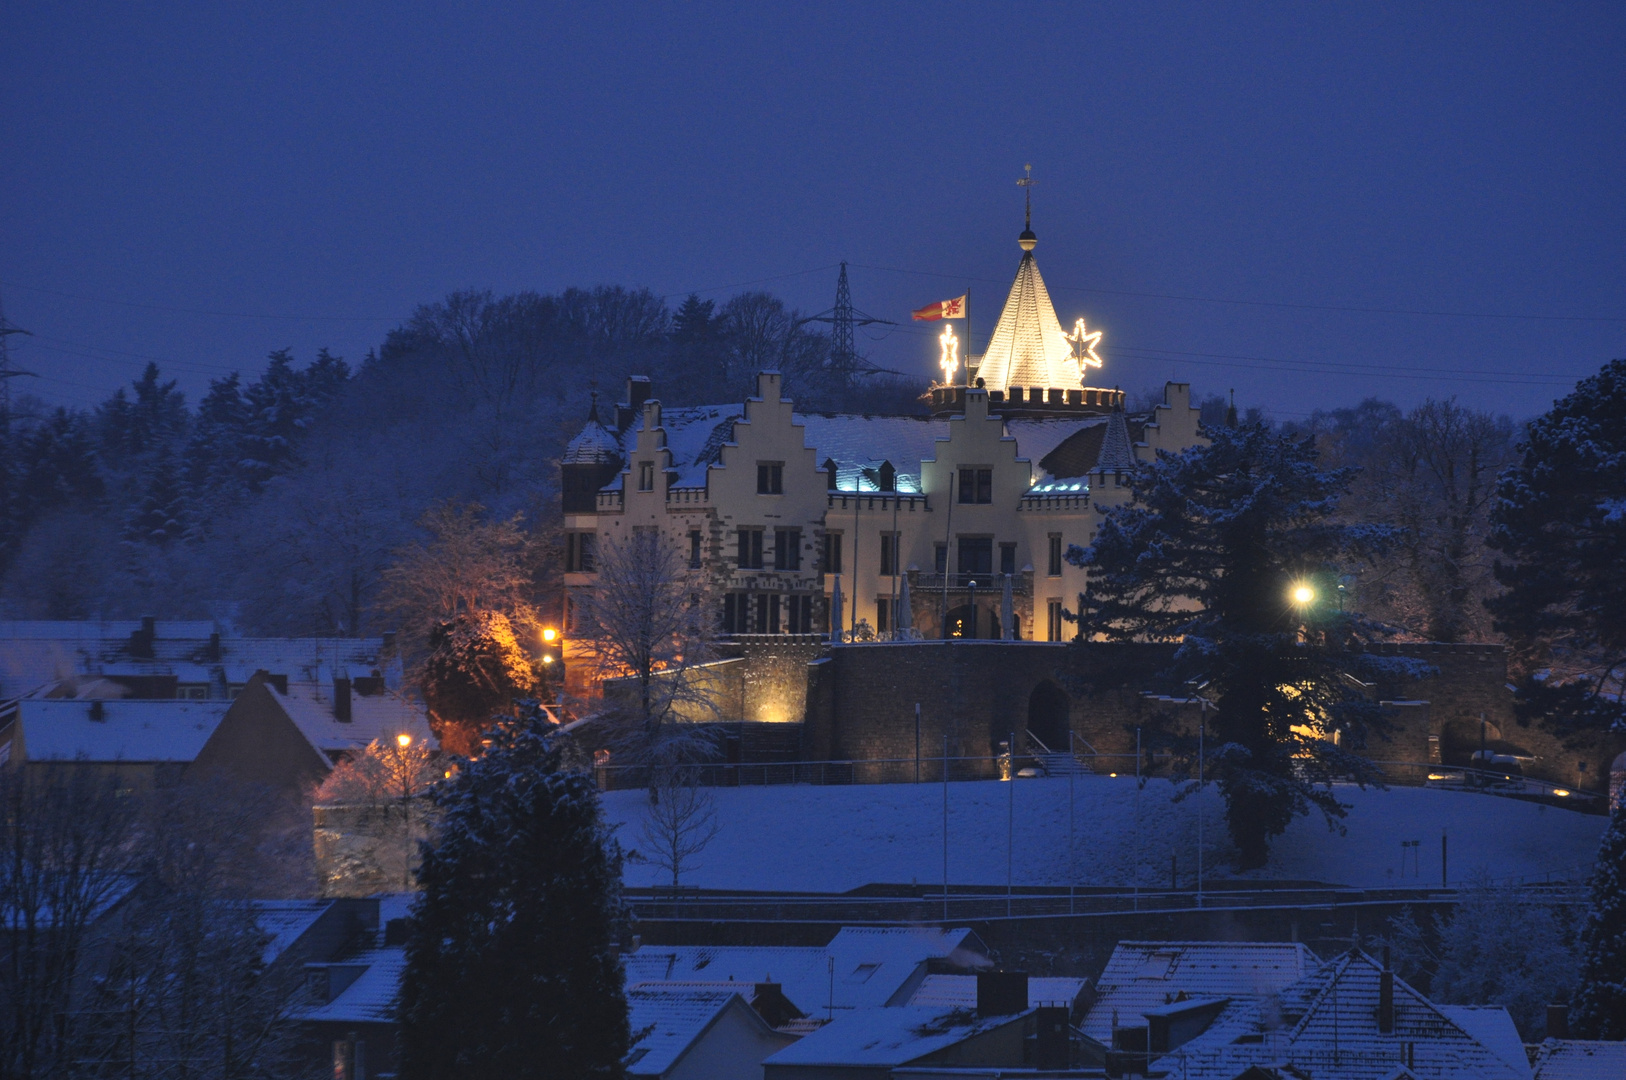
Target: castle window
<point>977,555</point>
<point>787,549</point>
<point>770,478</point>
<point>832,553</point>
<point>580,551</point>
<point>889,554</point>
<point>1007,558</point>
<point>976,485</point>
<point>883,613</point>
<point>750,549</point>
<point>767,613</point>
<point>800,617</point>
<point>1055,558</point>
<point>694,549</point>
<point>735,612</point>
<point>940,558</point>
<point>1053,620</point>
<point>646,476</point>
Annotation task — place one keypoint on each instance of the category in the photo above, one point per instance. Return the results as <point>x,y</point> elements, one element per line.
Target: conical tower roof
<point>595,444</point>
<point>1029,347</point>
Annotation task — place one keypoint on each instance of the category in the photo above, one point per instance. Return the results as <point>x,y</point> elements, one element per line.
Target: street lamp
<point>1303,594</point>
<point>403,740</point>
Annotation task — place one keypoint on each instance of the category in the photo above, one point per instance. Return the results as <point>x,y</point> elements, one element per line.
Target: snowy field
<point>831,839</point>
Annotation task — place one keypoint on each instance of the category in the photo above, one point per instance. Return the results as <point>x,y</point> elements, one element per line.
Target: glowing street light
<point>549,633</point>
<point>403,740</point>
<point>1302,594</point>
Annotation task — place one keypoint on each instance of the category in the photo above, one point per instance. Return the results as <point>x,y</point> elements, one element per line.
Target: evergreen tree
<point>1560,519</point>
<point>214,474</point>
<point>1209,553</point>
<point>160,517</point>
<point>132,430</point>
<point>512,967</point>
<point>280,406</point>
<point>57,464</point>
<point>1599,1009</point>
<point>476,667</point>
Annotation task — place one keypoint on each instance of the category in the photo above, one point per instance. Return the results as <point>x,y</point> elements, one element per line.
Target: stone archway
<point>1050,715</point>
<point>962,622</point>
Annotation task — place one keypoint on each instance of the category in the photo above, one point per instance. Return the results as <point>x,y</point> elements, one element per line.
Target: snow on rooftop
<point>1580,1059</point>
<point>135,731</point>
<point>1143,975</point>
<point>887,1037</point>
<point>371,998</point>
<point>372,716</point>
<point>872,965</point>
<point>283,921</point>
<point>677,1015</point>
<point>960,991</point>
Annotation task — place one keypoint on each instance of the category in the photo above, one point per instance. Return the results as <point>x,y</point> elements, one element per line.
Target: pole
<point>858,481</point>
<point>948,536</point>
<point>893,540</point>
<point>945,823</point>
<point>1072,853</point>
<point>1010,826</point>
<point>1445,881</point>
<point>1202,727</point>
<point>1137,819</point>
<point>917,742</point>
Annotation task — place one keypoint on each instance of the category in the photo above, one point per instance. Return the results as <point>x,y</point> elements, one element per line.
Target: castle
<point>861,527</point>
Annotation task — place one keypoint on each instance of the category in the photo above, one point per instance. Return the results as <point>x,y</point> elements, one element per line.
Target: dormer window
<point>646,476</point>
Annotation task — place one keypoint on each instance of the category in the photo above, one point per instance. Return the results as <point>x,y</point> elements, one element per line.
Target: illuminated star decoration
<point>1084,346</point>
<point>950,361</point>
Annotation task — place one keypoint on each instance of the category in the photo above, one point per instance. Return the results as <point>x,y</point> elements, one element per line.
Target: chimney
<point>1386,997</point>
<point>1001,993</point>
<point>277,682</point>
<point>639,390</point>
<point>341,699</point>
<point>1558,1021</point>
<point>98,710</point>
<point>214,645</point>
<point>389,642</point>
<point>1052,1043</point>
<point>141,640</point>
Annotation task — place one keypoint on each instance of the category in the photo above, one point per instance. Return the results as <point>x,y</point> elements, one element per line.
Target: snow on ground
<point>831,839</point>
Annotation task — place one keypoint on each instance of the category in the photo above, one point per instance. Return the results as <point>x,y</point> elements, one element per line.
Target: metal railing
<point>989,583</point>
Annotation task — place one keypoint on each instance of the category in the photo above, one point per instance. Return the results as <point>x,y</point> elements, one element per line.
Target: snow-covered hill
<point>830,839</point>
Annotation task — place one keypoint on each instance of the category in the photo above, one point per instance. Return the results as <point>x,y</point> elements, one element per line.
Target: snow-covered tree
<point>1560,520</point>
<point>373,817</point>
<point>512,961</point>
<point>1599,1008</point>
<point>649,625</point>
<point>476,668</point>
<point>470,564</point>
<point>1209,552</point>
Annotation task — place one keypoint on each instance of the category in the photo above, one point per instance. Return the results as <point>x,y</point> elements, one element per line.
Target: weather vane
<point>1026,184</point>
<point>1084,346</point>
<point>950,360</point>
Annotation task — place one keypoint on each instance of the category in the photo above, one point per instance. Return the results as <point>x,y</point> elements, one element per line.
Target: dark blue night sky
<point>337,164</point>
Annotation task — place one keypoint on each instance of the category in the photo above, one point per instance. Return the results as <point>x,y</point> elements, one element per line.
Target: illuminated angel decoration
<point>1084,346</point>
<point>950,361</point>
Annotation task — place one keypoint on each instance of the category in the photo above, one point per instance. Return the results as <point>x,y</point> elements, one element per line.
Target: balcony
<point>1021,584</point>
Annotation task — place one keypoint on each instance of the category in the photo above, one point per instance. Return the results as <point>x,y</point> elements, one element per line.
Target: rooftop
<point>133,731</point>
<point>888,1037</point>
<point>677,1016</point>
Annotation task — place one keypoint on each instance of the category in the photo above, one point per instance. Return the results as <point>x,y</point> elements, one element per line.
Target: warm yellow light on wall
<point>1560,792</point>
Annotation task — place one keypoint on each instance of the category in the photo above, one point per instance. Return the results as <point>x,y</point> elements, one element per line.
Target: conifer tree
<point>512,964</point>
<point>1599,1009</point>
<point>1208,553</point>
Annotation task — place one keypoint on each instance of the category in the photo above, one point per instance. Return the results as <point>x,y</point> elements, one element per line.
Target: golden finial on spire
<point>1027,239</point>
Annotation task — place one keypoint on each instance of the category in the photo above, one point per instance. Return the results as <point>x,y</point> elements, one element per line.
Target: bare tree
<point>679,822</point>
<point>67,856</point>
<point>648,627</point>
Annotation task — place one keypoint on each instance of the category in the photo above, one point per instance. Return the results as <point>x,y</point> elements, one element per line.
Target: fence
<point>935,770</point>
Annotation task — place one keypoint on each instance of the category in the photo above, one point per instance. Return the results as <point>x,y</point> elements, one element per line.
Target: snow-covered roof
<point>1028,346</point>
<point>372,716</point>
<point>1491,1026</point>
<point>1147,974</point>
<point>677,1016</point>
<point>887,1037</point>
<point>283,921</point>
<point>98,629</point>
<point>871,964</point>
<point>960,991</point>
<point>371,998</point>
<point>1329,1021</point>
<point>1580,1059</point>
<point>595,444</point>
<point>135,731</point>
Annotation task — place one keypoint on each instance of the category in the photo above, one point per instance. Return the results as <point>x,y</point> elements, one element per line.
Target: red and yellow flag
<point>943,309</point>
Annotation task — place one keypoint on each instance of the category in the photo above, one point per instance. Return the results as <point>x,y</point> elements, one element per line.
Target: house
<point>868,1044</point>
<point>1579,1059</point>
<point>288,735</point>
<point>861,967</point>
<point>1351,1019</point>
<point>146,744</point>
<point>1148,975</point>
<point>190,660</point>
<point>347,1020</point>
<point>960,992</point>
<point>697,1032</point>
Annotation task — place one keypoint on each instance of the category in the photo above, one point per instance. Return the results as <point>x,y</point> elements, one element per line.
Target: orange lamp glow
<point>549,633</point>
<point>403,740</point>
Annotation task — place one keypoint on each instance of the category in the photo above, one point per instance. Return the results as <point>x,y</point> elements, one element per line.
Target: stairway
<point>1056,764</point>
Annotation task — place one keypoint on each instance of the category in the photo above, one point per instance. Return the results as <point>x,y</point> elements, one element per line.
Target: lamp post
<point>403,743</point>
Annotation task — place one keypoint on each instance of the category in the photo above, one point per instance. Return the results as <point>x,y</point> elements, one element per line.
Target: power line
<point>1273,303</point>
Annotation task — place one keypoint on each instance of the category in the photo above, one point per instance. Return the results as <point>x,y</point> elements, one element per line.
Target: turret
<point>592,460</point>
